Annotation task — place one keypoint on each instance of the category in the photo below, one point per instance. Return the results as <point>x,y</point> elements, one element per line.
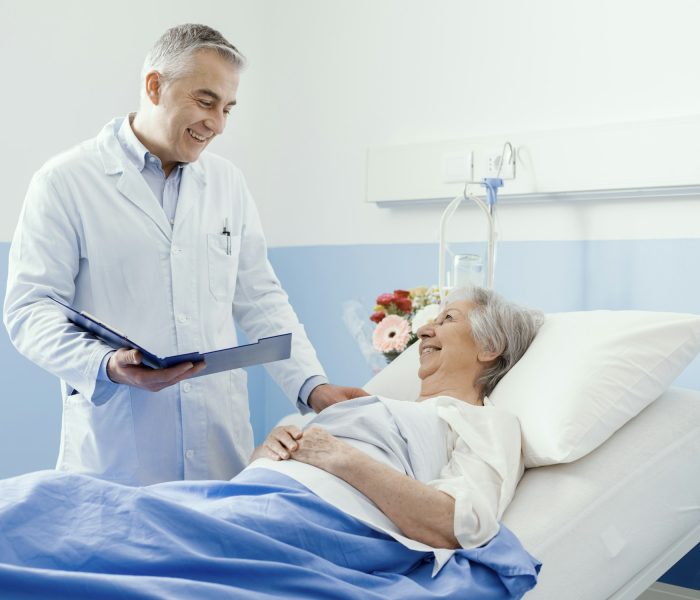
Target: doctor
<point>142,228</point>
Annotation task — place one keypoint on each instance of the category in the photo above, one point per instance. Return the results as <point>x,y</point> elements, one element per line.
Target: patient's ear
<point>487,356</point>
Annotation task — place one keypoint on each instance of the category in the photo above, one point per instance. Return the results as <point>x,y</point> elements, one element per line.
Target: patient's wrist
<point>344,460</point>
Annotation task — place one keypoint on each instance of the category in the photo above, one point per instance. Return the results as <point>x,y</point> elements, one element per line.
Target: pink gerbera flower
<point>392,334</point>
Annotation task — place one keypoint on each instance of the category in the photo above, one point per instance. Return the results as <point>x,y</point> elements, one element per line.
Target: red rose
<point>403,304</point>
<point>385,299</point>
<point>401,293</point>
<point>377,317</point>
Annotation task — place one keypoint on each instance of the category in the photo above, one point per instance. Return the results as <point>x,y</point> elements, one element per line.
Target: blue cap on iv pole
<point>492,184</point>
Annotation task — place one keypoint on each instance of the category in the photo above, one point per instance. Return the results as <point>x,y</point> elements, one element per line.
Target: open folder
<point>269,349</point>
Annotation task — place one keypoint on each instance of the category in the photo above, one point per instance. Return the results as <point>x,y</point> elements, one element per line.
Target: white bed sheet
<point>598,522</point>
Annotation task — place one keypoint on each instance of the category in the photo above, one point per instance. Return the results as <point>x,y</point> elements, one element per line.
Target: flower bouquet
<point>399,316</point>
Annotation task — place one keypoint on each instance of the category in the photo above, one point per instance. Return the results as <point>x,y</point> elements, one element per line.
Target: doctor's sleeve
<point>262,308</point>
<point>44,262</point>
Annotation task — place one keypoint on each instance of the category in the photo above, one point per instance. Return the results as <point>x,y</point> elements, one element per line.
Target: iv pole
<point>491,184</point>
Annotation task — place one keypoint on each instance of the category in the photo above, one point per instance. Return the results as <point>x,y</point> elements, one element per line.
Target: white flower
<point>424,316</point>
<point>433,295</point>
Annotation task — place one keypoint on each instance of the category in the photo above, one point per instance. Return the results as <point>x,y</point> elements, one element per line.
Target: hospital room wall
<point>326,81</point>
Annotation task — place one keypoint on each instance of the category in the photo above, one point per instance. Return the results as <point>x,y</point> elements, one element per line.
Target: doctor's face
<point>189,111</point>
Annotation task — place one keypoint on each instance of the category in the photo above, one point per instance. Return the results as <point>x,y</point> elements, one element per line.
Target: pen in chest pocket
<point>227,233</point>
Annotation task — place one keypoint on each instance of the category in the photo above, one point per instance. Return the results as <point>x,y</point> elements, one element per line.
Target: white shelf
<point>625,161</point>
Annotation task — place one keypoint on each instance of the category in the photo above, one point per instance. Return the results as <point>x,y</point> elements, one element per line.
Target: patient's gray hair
<point>172,53</point>
<point>498,326</point>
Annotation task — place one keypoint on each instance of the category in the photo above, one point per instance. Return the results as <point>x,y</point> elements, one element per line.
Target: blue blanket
<point>261,535</point>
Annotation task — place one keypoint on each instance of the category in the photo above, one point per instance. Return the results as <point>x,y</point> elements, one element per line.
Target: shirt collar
<point>138,153</point>
<point>134,149</point>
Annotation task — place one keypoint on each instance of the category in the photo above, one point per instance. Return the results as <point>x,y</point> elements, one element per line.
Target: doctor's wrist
<point>316,401</point>
<point>102,373</point>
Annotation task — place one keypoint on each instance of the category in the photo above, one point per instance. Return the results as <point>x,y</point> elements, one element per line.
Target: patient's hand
<point>420,511</point>
<point>279,443</point>
<point>322,396</point>
<point>321,449</point>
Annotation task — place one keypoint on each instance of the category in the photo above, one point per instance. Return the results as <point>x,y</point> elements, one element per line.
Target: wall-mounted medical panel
<point>659,158</point>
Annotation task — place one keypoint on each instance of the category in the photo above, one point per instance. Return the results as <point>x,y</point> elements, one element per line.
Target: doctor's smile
<point>197,137</point>
<point>181,115</point>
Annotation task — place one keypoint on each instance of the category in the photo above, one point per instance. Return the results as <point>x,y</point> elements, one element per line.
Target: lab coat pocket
<point>223,254</point>
<point>99,440</point>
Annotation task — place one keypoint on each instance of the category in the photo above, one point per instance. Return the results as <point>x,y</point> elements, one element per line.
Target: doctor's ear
<point>153,87</point>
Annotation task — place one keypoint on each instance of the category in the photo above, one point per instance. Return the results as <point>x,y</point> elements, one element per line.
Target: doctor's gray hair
<point>498,326</point>
<point>172,53</point>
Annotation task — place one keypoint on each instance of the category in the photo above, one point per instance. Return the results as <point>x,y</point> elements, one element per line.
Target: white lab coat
<point>92,234</point>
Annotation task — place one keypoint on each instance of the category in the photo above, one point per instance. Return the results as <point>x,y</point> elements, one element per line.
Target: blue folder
<point>269,349</point>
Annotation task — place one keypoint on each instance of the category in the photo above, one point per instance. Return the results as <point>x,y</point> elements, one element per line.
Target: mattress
<point>602,520</point>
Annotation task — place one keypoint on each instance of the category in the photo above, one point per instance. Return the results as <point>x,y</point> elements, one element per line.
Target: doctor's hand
<point>322,396</point>
<point>279,443</point>
<point>124,366</point>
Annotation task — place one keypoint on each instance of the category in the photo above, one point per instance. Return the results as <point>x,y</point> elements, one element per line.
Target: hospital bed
<point>611,523</point>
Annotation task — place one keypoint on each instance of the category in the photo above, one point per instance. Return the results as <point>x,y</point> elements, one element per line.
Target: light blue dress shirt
<point>166,191</point>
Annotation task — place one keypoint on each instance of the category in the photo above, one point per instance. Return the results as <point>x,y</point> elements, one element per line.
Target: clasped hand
<point>315,446</point>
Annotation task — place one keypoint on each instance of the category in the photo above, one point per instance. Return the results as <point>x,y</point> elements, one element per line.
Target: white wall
<point>329,78</point>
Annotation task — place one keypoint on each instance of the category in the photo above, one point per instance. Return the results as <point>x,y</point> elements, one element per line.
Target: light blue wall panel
<point>30,406</point>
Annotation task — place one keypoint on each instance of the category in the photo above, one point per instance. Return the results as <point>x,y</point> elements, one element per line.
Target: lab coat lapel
<point>134,187</point>
<point>131,183</point>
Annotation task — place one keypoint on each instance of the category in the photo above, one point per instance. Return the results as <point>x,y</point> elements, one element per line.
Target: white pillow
<point>587,373</point>
<point>399,379</point>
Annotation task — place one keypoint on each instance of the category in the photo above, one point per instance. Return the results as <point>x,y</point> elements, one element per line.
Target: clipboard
<point>265,350</point>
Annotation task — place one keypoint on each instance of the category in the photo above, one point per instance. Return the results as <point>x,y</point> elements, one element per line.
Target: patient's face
<point>449,357</point>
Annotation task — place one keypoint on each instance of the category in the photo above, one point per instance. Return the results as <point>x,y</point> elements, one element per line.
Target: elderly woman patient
<point>376,498</point>
<point>442,469</point>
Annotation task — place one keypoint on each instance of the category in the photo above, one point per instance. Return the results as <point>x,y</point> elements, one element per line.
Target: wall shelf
<point>657,159</point>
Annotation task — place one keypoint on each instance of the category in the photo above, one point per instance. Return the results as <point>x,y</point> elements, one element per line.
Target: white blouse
<point>484,467</point>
